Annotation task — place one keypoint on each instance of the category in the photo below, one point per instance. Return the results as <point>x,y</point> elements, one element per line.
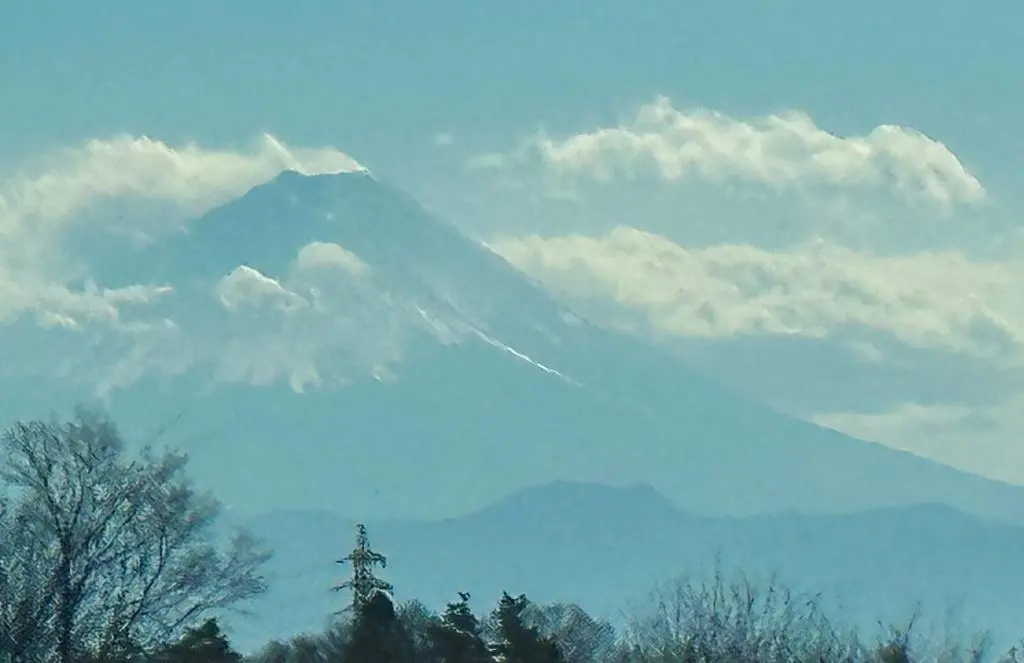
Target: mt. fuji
<point>332,345</point>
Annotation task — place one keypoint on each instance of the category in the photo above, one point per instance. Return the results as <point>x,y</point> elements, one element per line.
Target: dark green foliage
<point>518,642</point>
<point>377,635</point>
<point>457,637</point>
<point>205,644</point>
<point>417,620</point>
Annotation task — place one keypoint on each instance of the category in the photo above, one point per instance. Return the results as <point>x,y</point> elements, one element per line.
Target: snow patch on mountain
<point>519,355</point>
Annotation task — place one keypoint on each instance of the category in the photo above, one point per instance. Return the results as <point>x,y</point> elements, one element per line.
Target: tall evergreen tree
<point>519,643</point>
<point>417,619</point>
<point>458,638</point>
<point>377,635</point>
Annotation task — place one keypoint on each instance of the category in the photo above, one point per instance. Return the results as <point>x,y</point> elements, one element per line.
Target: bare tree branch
<point>120,551</point>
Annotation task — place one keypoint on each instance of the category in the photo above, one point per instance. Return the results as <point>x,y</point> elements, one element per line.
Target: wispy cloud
<point>693,226</point>
<point>323,320</point>
<point>784,152</point>
<point>929,300</point>
<point>332,256</point>
<point>64,184</point>
<point>327,321</point>
<point>984,440</point>
<point>120,184</point>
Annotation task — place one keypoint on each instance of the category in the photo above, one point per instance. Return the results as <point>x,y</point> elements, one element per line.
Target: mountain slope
<point>436,378</point>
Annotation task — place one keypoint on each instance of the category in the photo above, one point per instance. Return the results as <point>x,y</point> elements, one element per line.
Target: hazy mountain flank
<point>606,548</point>
<point>428,364</point>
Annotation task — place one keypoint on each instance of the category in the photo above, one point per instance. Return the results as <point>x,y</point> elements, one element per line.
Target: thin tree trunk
<point>65,611</point>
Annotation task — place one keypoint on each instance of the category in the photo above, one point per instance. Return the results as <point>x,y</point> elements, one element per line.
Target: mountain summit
<point>339,347</point>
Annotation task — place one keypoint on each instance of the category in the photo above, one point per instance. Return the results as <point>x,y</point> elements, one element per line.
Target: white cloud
<point>784,151</point>
<point>984,440</point>
<point>689,225</point>
<point>247,286</point>
<point>145,180</point>
<point>327,320</point>
<point>328,254</point>
<point>323,321</point>
<point>56,304</point>
<point>927,300</point>
<point>143,186</point>
<point>191,177</point>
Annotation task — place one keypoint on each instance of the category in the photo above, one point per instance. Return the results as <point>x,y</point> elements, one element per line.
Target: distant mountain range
<point>606,549</point>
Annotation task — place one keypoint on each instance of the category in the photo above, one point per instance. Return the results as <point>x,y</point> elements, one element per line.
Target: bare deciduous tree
<point>581,638</point>
<point>124,551</point>
<point>737,621</point>
<point>25,597</point>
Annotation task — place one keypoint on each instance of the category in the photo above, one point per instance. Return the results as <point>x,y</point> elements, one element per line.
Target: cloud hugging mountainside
<point>336,346</point>
<point>864,280</point>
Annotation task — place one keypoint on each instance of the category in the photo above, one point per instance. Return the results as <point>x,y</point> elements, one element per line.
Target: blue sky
<point>377,78</point>
<point>934,366</point>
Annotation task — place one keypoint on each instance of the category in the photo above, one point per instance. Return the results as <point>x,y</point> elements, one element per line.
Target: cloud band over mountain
<point>944,300</point>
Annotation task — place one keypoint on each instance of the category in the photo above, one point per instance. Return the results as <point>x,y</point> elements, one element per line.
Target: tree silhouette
<point>118,553</point>
<point>377,635</point>
<point>580,637</point>
<point>457,637</point>
<point>205,644</point>
<point>518,642</point>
